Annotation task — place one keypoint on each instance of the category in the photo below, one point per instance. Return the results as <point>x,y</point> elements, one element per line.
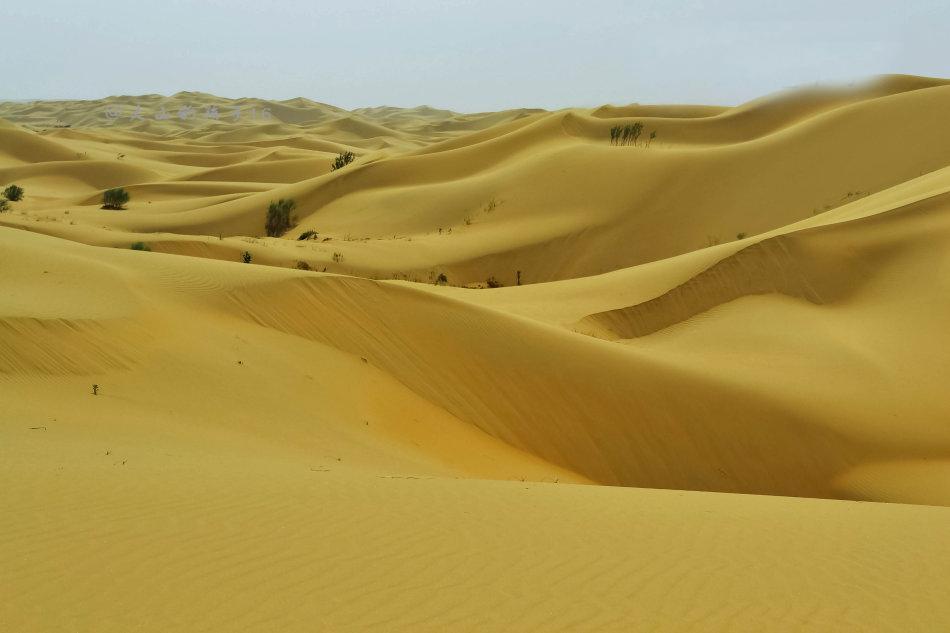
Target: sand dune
<point>709,395</point>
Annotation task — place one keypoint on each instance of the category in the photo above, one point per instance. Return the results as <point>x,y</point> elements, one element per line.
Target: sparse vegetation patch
<point>13,193</point>
<point>342,160</point>
<point>115,199</point>
<point>280,217</point>
<point>625,134</point>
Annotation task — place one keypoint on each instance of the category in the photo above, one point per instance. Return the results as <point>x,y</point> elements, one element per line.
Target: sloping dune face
<point>706,390</point>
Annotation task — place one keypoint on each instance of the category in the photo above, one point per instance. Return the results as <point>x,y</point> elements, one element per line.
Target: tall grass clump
<point>626,134</point>
<point>280,217</point>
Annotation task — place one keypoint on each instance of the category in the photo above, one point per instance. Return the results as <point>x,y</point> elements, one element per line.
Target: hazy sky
<point>464,55</point>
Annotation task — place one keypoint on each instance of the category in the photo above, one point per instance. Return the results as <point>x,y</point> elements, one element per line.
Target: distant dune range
<point>716,400</point>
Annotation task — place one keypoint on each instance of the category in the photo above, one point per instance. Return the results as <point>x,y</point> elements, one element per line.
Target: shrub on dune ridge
<point>115,198</point>
<point>280,217</point>
<point>342,160</point>
<point>4,205</point>
<point>307,235</point>
<point>140,246</point>
<point>13,193</point>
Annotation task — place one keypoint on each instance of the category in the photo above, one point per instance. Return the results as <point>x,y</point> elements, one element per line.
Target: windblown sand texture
<point>717,401</point>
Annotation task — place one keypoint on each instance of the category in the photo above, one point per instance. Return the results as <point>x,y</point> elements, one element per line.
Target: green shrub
<point>115,198</point>
<point>342,160</point>
<point>307,235</point>
<point>4,205</point>
<point>302,265</point>
<point>441,280</point>
<point>280,217</point>
<point>493,283</point>
<point>625,134</point>
<point>246,257</point>
<point>13,193</point>
<point>140,246</point>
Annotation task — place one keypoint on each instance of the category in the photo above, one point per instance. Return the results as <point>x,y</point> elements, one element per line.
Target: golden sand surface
<point>710,393</point>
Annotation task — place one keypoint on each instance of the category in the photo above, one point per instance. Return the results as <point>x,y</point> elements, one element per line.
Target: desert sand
<point>710,393</point>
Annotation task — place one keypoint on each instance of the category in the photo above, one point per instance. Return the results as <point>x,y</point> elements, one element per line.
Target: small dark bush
<point>115,198</point>
<point>280,217</point>
<point>342,160</point>
<point>246,257</point>
<point>140,246</point>
<point>13,193</point>
<point>302,265</point>
<point>441,280</point>
<point>740,236</point>
<point>4,205</point>
<point>493,283</point>
<point>307,235</point>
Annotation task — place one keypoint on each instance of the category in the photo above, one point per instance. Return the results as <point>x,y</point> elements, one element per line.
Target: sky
<point>465,55</point>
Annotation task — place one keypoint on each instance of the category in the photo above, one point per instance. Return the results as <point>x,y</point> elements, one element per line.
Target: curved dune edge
<point>426,212</point>
<point>797,264</point>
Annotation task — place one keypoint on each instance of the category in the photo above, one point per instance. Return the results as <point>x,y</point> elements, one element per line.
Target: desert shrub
<point>246,257</point>
<point>13,193</point>
<point>307,235</point>
<point>625,134</point>
<point>302,265</point>
<point>4,205</point>
<point>342,160</point>
<point>493,283</point>
<point>740,236</point>
<point>337,257</point>
<point>115,198</point>
<point>441,280</point>
<point>279,217</point>
<point>140,246</point>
